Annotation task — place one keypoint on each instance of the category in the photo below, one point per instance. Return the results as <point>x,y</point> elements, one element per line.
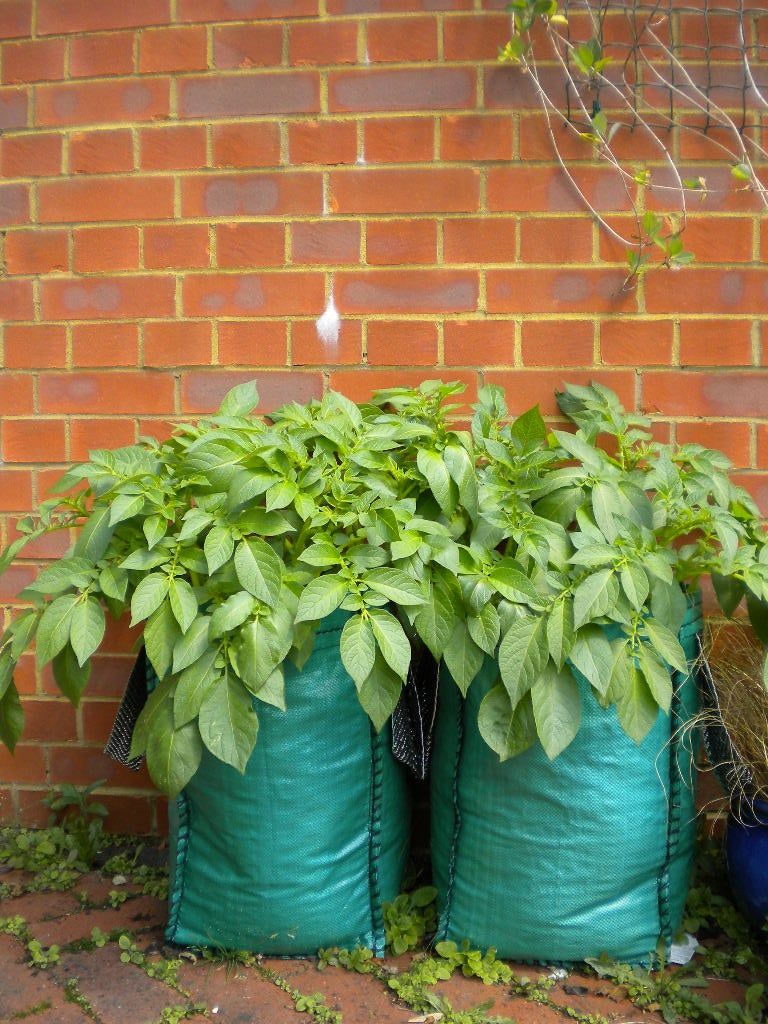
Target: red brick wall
<point>184,181</point>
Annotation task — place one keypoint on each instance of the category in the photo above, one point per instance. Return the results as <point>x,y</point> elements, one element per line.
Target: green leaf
<point>593,656</point>
<point>358,648</point>
<point>218,547</point>
<point>506,729</point>
<point>435,620</point>
<point>522,655</point>
<point>230,614</point>
<point>113,583</point>
<point>462,471</point>
<point>281,494</point>
<point>462,657</point>
<point>560,630</point>
<point>657,677</point>
<point>87,628</point>
<point>66,574</point>
<point>595,597</point>
<point>148,596</point>
<point>183,602</point>
<point>434,469</point>
<point>605,505</point>
<point>514,585</point>
<point>154,528</point>
<point>636,706</point>
<point>634,583</point>
<point>22,629</point>
<point>161,634</point>
<point>667,644</point>
<point>260,653</point>
<point>55,626</point>
<point>321,554</point>
<point>556,709</point>
<point>273,690</point>
<point>193,687</point>
<point>228,724</point>
<point>159,707</point>
<point>95,535</point>
<point>240,400</point>
<point>7,665</point>
<point>144,559</point>
<point>71,678</point>
<point>530,429</point>
<point>192,645</point>
<point>173,756</point>
<point>485,629</point>
<point>11,718</point>
<point>259,570</point>
<point>729,592</point>
<point>668,604</point>
<point>321,597</point>
<point>392,641</point>
<point>380,693</point>
<point>395,585</point>
<point>125,506</point>
<point>758,616</point>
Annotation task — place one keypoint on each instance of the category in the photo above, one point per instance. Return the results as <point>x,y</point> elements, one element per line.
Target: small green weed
<point>73,994</point>
<point>409,918</point>
<point>81,818</point>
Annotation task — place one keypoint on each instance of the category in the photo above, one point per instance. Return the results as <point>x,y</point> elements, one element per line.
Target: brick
<point>582,290</point>
<point>105,345</point>
<point>84,436</point>
<point>26,764</point>
<point>360,384</point>
<point>118,100</point>
<point>51,545</point>
<point>247,46</point>
<point>322,43</point>
<point>170,148</point>
<point>407,291</point>
<point>255,343</point>
<point>556,240</point>
<point>49,721</point>
<point>401,242</point>
<point>14,580</point>
<point>403,39</point>
<point>95,56</point>
<point>14,205</point>
<point>707,394</point>
<point>719,239</point>
<point>81,765</point>
<point>180,246</point>
<point>730,438</point>
<point>130,815</point>
<point>526,189</point>
<point>368,89</point>
<point>14,108</point>
<point>374,190</point>
<point>636,342</point>
<point>717,342</point>
<point>533,386</point>
<point>258,194</point>
<point>177,343</point>
<point>77,200</point>
<point>16,300</point>
<point>474,137</point>
<point>325,242</point>
<point>35,251</point>
<point>246,145</point>
<point>97,249</point>
<point>250,245</point>
<point>557,343</point>
<point>30,156</point>
<point>399,139</point>
<point>473,342</point>
<point>15,490</point>
<point>107,298</point>
<point>57,16</point>
<point>271,294</point>
<point>173,49</point>
<point>505,88</point>
<point>479,240</point>
<point>15,394</point>
<point>237,10</point>
<point>15,19</point>
<point>469,37</point>
<point>100,152</point>
<point>322,142</point>
<point>698,290</point>
<point>35,346</point>
<point>110,393</point>
<point>401,343</point>
<point>34,60</point>
<point>308,350</point>
<point>288,92</point>
<point>202,391</point>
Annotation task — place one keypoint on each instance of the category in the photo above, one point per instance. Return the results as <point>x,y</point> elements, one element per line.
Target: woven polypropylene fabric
<point>557,861</point>
<point>300,851</point>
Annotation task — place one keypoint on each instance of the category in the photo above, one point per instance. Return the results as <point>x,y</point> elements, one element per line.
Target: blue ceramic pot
<point>746,847</point>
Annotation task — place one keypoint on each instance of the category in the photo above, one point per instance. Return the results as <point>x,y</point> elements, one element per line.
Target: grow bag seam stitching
<point>456,819</point>
<point>374,845</point>
<point>180,872</point>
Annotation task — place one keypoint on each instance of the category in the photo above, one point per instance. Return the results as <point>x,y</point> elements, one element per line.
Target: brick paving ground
<point>109,991</point>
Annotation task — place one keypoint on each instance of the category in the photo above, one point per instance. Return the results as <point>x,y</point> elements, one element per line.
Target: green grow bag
<point>300,851</point>
<point>557,861</point>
